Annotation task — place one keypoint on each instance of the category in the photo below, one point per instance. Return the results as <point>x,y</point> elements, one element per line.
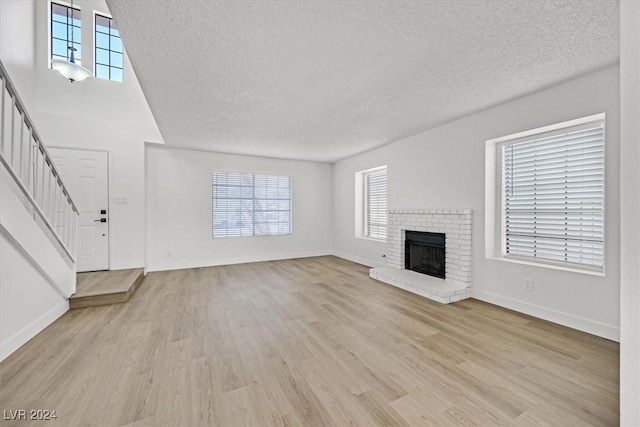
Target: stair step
<point>105,287</point>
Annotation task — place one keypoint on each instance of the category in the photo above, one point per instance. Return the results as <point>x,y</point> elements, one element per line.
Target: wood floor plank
<point>417,413</point>
<point>306,342</point>
<point>380,409</point>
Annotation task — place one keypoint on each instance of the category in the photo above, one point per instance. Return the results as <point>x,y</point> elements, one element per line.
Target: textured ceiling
<point>323,80</point>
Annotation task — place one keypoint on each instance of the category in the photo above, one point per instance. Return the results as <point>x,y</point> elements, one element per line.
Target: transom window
<point>553,196</point>
<point>246,204</point>
<point>108,50</point>
<point>66,25</point>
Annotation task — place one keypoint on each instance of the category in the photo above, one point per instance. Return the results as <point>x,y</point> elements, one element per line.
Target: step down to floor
<point>105,287</point>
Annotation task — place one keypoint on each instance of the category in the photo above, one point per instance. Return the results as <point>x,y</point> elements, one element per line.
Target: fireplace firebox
<point>424,252</point>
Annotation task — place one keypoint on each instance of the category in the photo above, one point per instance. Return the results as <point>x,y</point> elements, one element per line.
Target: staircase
<point>38,227</point>
<point>38,235</point>
<point>27,161</point>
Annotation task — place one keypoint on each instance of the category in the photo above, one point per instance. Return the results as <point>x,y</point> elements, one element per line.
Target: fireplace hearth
<point>425,253</point>
<point>455,225</point>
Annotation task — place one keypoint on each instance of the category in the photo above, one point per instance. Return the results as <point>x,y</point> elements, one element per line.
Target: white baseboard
<point>359,260</point>
<point>31,330</point>
<point>126,265</point>
<point>230,261</point>
<point>610,332</point>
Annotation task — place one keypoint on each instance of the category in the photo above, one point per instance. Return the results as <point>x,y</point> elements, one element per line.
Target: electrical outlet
<point>528,285</point>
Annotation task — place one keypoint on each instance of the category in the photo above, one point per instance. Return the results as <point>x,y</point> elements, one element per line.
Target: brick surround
<point>456,225</point>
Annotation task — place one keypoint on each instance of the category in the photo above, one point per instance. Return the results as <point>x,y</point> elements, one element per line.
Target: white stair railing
<point>28,162</point>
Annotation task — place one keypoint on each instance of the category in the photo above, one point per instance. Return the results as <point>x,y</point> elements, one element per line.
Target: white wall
<point>17,41</point>
<point>100,114</point>
<point>179,210</point>
<point>28,303</point>
<point>444,168</point>
<point>630,214</point>
<point>93,114</point>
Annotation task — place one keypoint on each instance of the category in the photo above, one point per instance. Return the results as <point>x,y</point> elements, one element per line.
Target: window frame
<point>78,55</point>
<point>362,203</point>
<point>495,228</point>
<point>253,200</point>
<point>97,14</point>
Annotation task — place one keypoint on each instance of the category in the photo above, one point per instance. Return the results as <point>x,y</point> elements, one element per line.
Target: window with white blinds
<point>553,195</point>
<point>246,204</point>
<point>375,187</point>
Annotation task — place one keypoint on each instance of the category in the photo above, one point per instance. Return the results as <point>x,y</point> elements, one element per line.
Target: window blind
<point>246,204</point>
<point>376,204</point>
<point>554,197</point>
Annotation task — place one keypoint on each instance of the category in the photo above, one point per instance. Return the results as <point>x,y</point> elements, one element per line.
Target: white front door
<point>85,174</point>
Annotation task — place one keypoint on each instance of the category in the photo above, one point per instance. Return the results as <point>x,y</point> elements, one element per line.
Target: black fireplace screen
<point>425,253</point>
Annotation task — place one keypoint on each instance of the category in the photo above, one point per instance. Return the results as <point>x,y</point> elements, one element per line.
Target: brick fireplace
<point>456,225</point>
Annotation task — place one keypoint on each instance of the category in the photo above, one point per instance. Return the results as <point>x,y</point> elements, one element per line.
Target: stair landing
<point>105,287</point>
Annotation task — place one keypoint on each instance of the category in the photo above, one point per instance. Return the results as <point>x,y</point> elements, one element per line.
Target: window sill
<point>257,235</point>
<point>372,239</point>
<point>547,265</point>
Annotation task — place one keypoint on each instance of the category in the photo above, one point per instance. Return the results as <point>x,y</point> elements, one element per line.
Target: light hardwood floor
<point>307,342</point>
